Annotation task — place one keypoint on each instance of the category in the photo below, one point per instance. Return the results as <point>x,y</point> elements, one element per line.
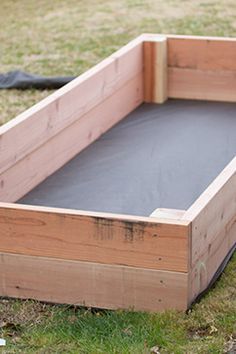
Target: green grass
<point>66,37</point>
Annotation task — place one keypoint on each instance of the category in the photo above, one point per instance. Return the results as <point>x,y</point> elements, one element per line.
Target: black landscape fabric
<point>159,156</point>
<point>21,80</point>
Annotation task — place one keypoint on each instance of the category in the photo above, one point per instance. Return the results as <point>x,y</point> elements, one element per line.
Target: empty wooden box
<point>110,260</point>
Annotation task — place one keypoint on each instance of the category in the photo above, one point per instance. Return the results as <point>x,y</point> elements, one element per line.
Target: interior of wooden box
<point>159,156</point>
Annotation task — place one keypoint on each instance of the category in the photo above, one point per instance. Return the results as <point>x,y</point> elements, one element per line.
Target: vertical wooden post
<point>155,70</point>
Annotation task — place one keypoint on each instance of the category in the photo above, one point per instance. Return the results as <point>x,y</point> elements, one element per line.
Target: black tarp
<point>159,156</point>
<point>21,80</point>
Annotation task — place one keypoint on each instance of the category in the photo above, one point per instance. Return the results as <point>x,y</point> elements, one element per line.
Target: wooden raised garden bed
<point>111,260</point>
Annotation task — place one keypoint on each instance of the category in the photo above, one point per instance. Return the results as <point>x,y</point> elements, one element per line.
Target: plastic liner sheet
<point>21,80</point>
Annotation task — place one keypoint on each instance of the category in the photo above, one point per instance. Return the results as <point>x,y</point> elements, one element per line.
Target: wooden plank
<point>151,36</point>
<point>95,237</point>
<point>35,167</point>
<point>202,85</point>
<point>43,121</point>
<point>91,284</point>
<point>203,272</point>
<point>202,68</point>
<point>155,70</point>
<point>160,71</point>
<point>165,213</point>
<point>202,53</point>
<point>213,219</point>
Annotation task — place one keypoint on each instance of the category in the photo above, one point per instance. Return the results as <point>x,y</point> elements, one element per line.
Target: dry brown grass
<point>67,37</point>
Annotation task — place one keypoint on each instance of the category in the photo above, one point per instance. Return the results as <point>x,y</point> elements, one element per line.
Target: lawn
<point>66,37</point>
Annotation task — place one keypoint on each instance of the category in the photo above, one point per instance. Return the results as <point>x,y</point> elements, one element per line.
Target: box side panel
<point>91,284</point>
<point>24,175</point>
<point>202,68</point>
<point>95,237</point>
<point>213,218</point>
<point>43,121</point>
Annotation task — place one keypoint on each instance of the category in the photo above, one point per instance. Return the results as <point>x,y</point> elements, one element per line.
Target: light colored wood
<point>199,52</point>
<point>62,211</point>
<point>160,71</point>
<point>202,85</point>
<point>202,53</point>
<point>19,179</point>
<point>95,237</point>
<point>155,70</point>
<point>202,68</point>
<point>152,36</point>
<point>203,272</point>
<point>43,121</point>
<point>91,284</point>
<point>213,218</point>
<point>165,213</point>
<point>148,71</point>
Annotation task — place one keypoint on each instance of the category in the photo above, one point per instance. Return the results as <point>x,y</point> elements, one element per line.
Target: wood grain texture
<point>43,121</point>
<point>202,68</point>
<point>202,53</point>
<point>160,65</point>
<point>94,237</point>
<point>202,85</point>
<point>213,218</point>
<point>203,272</point>
<point>91,284</point>
<point>155,70</point>
<point>23,176</point>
